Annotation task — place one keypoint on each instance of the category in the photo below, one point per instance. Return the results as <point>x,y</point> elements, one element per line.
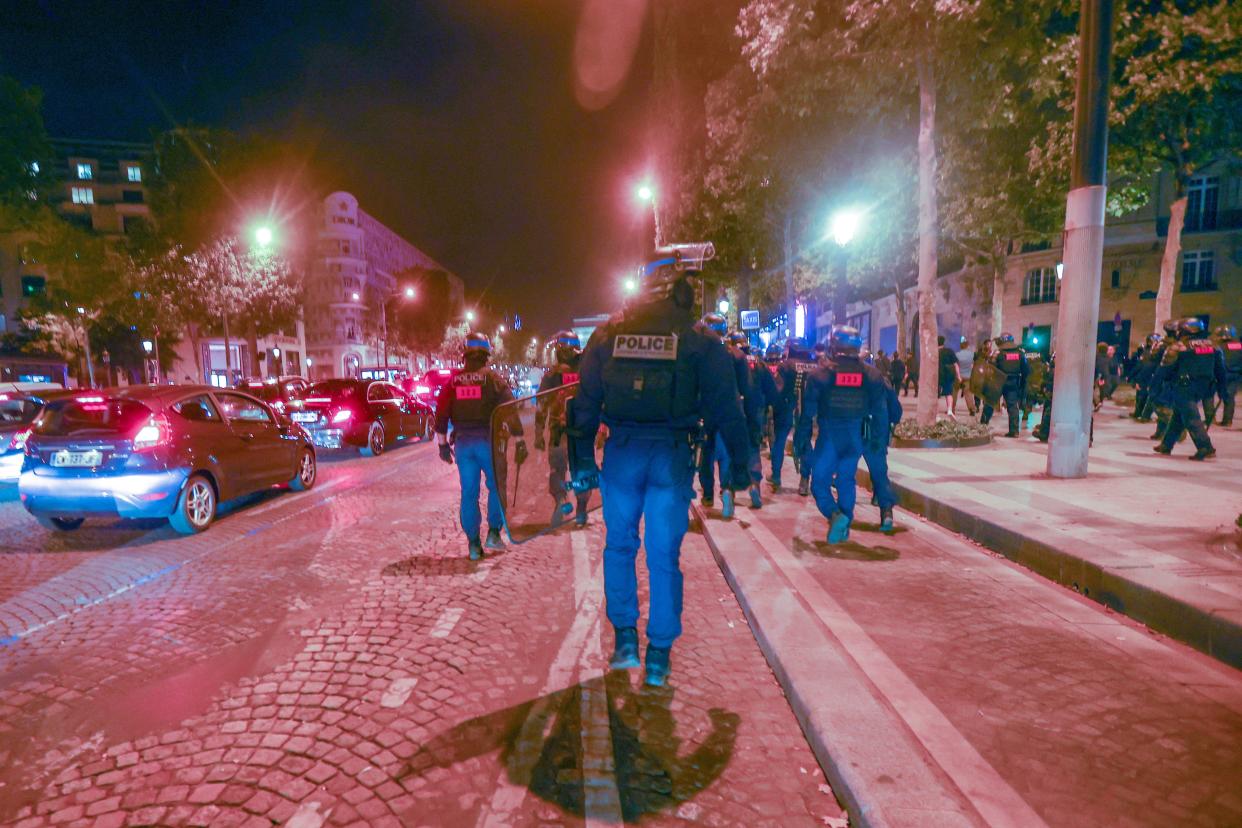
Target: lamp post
<point>646,193</point>
<point>407,294</point>
<point>86,344</point>
<point>146,347</point>
<point>842,228</point>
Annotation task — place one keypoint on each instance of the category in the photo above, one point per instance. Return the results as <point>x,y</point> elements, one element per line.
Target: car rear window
<point>17,411</point>
<point>333,389</point>
<point>87,416</point>
<point>268,392</point>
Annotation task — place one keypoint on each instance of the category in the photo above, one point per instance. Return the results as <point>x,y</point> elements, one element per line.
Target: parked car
<point>426,388</point>
<point>282,393</point>
<point>152,451</point>
<point>370,415</point>
<point>18,410</point>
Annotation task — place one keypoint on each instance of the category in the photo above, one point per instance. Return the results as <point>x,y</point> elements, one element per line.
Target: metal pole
<point>1079,311</point>
<point>156,340</point>
<point>655,211</point>
<point>384,345</point>
<point>86,342</point>
<point>228,361</point>
<point>838,289</point>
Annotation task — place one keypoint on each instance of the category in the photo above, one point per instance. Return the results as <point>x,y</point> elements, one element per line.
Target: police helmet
<point>797,348</point>
<point>844,341</point>
<point>672,264</point>
<point>1170,327</point>
<point>773,353</point>
<point>1154,339</point>
<point>740,341</point>
<point>715,322</point>
<point>1004,339</point>
<point>1226,332</point>
<point>477,344</point>
<point>1191,326</point>
<point>567,345</point>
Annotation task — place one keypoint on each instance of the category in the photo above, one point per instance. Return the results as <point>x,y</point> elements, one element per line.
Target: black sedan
<point>371,415</point>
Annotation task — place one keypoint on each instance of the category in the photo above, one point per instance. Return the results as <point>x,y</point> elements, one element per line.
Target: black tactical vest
<point>474,395</point>
<point>846,395</point>
<point>1198,361</point>
<point>1009,362</point>
<point>649,378</point>
<point>1233,357</point>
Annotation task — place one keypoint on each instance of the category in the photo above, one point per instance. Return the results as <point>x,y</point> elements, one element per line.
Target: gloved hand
<point>539,443</point>
<point>520,453</point>
<point>446,453</point>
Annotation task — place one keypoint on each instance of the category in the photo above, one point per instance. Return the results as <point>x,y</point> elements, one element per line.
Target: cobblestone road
<point>332,658</point>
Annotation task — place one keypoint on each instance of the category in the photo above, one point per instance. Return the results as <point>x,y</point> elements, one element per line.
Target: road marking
<point>398,692</point>
<point>601,797</point>
<point>986,790</point>
<point>447,620</point>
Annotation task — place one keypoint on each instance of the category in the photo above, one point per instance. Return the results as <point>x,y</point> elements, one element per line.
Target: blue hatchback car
<point>170,452</point>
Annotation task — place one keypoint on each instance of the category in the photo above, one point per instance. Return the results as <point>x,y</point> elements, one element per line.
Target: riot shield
<point>535,493</point>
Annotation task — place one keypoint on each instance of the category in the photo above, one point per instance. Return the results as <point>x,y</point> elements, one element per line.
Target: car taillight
<point>342,416</point>
<point>154,433</point>
<point>18,441</point>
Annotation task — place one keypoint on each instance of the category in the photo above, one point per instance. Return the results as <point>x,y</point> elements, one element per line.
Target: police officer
<point>651,376</point>
<point>877,429</point>
<point>783,406</point>
<point>762,393</point>
<point>550,417</point>
<point>1194,368</point>
<point>839,396</point>
<point>716,453</point>
<point>1148,362</point>
<point>1010,361</point>
<point>466,402</point>
<point>1226,338</point>
<point>1160,395</point>
<point>799,362</point>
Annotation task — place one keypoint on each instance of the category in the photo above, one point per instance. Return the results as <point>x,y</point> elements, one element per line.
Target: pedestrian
<point>466,403</point>
<point>783,407</point>
<point>1011,362</point>
<point>761,396</point>
<point>1195,369</point>
<point>651,376</point>
<point>1160,399</point>
<point>877,432</point>
<point>912,373</point>
<point>883,364</point>
<point>839,395</point>
<point>897,371</point>
<point>1144,372</point>
<point>715,451</point>
<point>1226,338</point>
<point>965,365</point>
<point>550,418</point>
<point>949,375</point>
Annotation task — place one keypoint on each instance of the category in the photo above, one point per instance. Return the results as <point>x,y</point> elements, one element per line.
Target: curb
<point>1208,630</point>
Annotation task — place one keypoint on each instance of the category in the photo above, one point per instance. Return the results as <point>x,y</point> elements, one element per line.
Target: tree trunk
<point>998,287</point>
<point>1168,264</point>
<point>791,298</point>
<point>928,240</point>
<point>899,293</point>
<point>252,342</point>
<point>191,330</point>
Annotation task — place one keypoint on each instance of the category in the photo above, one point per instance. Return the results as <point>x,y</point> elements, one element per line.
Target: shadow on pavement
<point>421,565</point>
<point>848,551</point>
<point>654,772</point>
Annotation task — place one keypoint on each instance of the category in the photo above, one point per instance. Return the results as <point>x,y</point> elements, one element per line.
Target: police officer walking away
<point>550,418</point>
<point>838,396</point>
<point>877,429</point>
<point>783,406</point>
<point>466,402</point>
<point>1194,368</point>
<point>651,376</point>
<point>1010,361</point>
<point>762,394</point>
<point>1226,338</point>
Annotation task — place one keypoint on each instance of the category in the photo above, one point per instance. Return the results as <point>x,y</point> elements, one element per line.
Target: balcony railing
<point>1225,220</point>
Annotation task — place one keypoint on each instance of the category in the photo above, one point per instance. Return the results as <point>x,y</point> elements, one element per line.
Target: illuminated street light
<point>263,235</point>
<point>355,296</point>
<point>501,329</point>
<point>409,293</point>
<point>469,316</point>
<point>645,192</point>
<point>723,306</point>
<point>630,285</point>
<point>147,345</point>
<point>843,226</point>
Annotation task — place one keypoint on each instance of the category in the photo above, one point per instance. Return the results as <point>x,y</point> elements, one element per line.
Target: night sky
<point>454,121</point>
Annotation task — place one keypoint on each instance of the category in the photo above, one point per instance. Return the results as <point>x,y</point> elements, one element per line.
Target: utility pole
<point>1083,248</point>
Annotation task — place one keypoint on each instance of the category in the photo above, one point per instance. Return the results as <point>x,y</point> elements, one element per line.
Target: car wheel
<point>196,507</point>
<point>59,524</point>
<point>307,471</point>
<point>375,440</point>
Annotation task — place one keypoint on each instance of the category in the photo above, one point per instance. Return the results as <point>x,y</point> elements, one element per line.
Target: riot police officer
<point>1160,394</point>
<point>1148,362</point>
<point>799,362</point>
<point>839,395</point>
<point>715,453</point>
<point>762,395</point>
<point>1193,367</point>
<point>877,429</point>
<point>1010,361</point>
<point>550,417</point>
<point>650,375</point>
<point>783,406</point>
<point>466,402</point>
<point>1226,338</point>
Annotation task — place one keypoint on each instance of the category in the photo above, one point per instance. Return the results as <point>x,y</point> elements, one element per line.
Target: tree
<point>25,154</point>
<point>418,325</point>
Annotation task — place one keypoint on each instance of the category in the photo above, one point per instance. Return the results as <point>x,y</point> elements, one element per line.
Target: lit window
<point>85,172</point>
<point>1198,270</point>
<point>134,172</point>
<point>83,195</point>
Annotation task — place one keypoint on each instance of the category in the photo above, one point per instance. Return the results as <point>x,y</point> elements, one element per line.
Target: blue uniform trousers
<point>644,478</point>
<point>835,463</point>
<point>780,440</point>
<point>877,468</point>
<point>474,457</point>
<point>715,456</point>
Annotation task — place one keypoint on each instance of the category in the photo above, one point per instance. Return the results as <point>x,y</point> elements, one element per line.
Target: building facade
<point>353,275</point>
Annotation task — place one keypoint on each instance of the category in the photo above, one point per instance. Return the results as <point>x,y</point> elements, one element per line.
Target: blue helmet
<point>773,353</point>
<point>844,341</point>
<point>1191,326</point>
<point>477,343</point>
<point>568,345</point>
<point>1226,332</point>
<point>716,322</point>
<point>797,348</point>
<point>740,340</point>
<point>1005,339</point>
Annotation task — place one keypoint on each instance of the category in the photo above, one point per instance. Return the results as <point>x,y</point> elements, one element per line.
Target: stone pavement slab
<point>332,658</point>
<point>1147,535</point>
<point>1011,687</point>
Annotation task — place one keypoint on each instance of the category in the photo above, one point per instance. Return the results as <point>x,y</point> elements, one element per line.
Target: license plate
<point>305,417</point>
<point>88,459</point>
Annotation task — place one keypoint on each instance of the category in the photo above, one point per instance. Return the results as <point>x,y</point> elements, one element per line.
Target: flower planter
<point>962,442</point>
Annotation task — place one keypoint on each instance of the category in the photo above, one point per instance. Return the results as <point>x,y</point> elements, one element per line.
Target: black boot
<point>657,666</point>
<point>625,651</point>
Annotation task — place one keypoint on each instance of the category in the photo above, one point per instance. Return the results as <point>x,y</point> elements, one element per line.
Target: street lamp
<point>630,285</point>
<point>408,293</point>
<point>646,193</point>
<point>723,307</point>
<point>469,316</point>
<point>842,227</point>
<point>263,236</point>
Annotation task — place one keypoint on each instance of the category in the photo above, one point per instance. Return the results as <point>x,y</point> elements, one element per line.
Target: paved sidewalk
<point>941,684</point>
<point>1147,535</point>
